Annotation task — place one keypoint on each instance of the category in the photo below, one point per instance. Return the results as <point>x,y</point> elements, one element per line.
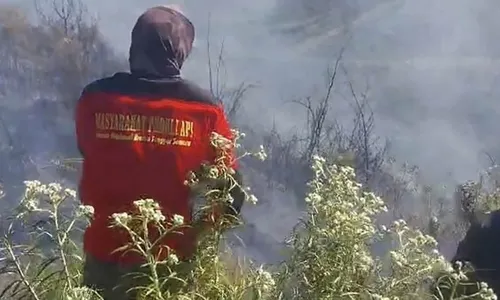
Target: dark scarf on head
<point>162,39</point>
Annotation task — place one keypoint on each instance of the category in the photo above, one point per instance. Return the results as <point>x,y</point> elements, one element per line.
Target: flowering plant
<point>336,252</point>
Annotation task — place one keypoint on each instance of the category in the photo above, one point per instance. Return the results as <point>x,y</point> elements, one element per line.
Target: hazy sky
<point>430,63</point>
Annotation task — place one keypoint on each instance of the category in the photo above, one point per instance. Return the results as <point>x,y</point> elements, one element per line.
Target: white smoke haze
<point>432,68</point>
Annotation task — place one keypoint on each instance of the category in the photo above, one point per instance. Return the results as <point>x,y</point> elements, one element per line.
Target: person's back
<point>141,132</point>
<point>140,146</point>
<point>481,248</point>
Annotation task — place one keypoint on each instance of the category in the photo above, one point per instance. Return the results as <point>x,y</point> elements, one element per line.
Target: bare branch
<point>230,98</point>
<point>492,160</point>
<point>209,56</point>
<point>316,115</point>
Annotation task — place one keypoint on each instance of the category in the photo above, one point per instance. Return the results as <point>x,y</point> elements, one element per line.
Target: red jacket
<point>139,138</point>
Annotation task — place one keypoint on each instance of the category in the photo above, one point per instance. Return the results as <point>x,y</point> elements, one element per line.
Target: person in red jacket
<point>140,133</point>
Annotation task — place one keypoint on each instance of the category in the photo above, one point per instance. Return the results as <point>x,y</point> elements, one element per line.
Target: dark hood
<point>162,39</point>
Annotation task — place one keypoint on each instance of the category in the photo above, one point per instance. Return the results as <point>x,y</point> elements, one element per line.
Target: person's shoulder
<point>106,84</point>
<point>195,92</point>
<point>128,84</point>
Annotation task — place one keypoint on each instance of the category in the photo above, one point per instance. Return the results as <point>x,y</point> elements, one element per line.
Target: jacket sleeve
<point>224,128</point>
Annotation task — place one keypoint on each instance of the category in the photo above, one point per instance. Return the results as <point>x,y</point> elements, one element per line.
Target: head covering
<point>162,39</point>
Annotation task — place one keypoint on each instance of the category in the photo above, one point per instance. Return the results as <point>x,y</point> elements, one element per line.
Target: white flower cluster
<point>52,193</point>
<point>172,259</point>
<point>250,197</point>
<point>486,292</point>
<point>121,219</point>
<point>80,293</point>
<point>178,220</point>
<point>213,172</point>
<point>237,136</point>
<point>85,211</point>
<point>150,210</point>
<point>261,154</point>
<point>458,275</point>
<point>221,142</point>
<point>266,280</point>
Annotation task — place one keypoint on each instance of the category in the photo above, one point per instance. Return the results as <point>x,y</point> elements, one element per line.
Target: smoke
<point>432,67</point>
